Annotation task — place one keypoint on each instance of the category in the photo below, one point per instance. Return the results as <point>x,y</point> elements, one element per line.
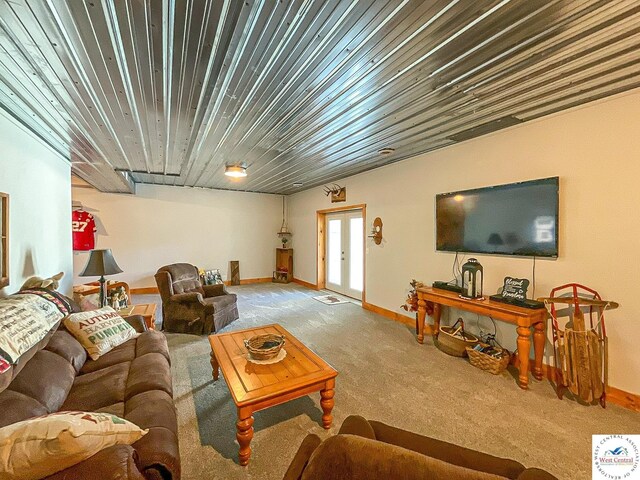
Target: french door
<point>344,257</point>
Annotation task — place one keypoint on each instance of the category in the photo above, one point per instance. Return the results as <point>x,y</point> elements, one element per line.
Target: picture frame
<point>211,277</point>
<point>4,239</point>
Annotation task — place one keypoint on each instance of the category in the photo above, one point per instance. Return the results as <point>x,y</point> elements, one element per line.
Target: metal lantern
<point>471,279</point>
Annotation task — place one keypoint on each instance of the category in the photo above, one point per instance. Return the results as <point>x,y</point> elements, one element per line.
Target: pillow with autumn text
<point>99,331</point>
<point>42,446</point>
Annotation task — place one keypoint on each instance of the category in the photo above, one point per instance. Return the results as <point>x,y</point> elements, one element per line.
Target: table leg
<point>524,346</point>
<point>422,313</point>
<point>326,402</point>
<point>437,311</point>
<point>244,434</point>
<point>538,348</point>
<point>214,366</point>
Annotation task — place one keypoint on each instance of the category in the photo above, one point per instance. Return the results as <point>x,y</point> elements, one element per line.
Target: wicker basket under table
<point>487,362</point>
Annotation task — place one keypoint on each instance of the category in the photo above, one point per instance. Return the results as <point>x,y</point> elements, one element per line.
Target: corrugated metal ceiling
<point>309,91</point>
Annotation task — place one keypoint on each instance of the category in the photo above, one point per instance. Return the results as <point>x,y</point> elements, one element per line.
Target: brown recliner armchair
<point>190,307</point>
<point>365,449</point>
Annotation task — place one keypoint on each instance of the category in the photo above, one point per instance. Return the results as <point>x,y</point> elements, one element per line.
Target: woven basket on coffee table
<point>264,347</point>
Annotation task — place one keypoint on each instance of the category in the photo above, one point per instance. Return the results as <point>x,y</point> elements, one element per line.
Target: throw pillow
<point>87,302</point>
<point>99,331</point>
<point>42,446</point>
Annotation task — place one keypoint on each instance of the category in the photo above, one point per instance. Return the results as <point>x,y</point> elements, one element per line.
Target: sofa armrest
<point>113,463</point>
<point>214,290</point>
<point>137,322</point>
<point>301,458</point>
<point>159,454</point>
<point>190,297</point>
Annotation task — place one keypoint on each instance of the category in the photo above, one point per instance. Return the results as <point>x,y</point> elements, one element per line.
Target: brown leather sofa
<point>190,307</point>
<point>364,449</point>
<point>132,381</point>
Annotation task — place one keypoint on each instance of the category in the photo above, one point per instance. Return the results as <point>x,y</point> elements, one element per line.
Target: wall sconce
<point>376,231</point>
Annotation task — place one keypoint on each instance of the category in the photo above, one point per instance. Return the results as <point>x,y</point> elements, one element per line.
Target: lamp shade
<point>101,262</point>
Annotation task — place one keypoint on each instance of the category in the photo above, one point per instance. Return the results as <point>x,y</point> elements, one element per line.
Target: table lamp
<point>101,263</point>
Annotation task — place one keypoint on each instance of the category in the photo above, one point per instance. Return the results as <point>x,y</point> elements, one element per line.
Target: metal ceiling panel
<point>299,91</point>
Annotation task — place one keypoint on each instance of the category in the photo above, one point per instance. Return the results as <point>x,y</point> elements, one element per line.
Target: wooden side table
<point>146,310</point>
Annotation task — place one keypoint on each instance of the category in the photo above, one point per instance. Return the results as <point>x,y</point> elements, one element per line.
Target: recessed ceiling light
<point>235,171</point>
<point>386,151</point>
<point>298,184</point>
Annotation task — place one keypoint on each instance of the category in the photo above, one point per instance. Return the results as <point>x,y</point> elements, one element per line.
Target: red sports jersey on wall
<point>83,228</point>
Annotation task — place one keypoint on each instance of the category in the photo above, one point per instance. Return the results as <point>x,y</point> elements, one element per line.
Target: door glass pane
<point>334,254</point>
<point>356,270</point>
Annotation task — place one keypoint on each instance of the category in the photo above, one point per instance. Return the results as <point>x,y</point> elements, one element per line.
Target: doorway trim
<point>321,216</point>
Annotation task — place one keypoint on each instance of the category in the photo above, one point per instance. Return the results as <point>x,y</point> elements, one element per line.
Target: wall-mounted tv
<point>514,219</point>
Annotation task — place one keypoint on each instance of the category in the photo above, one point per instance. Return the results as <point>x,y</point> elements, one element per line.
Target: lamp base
<point>103,292</point>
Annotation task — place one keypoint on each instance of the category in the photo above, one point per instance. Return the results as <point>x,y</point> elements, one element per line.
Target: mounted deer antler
<point>337,193</point>
<point>335,189</point>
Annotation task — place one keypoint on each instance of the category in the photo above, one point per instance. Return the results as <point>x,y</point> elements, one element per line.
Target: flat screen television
<point>514,219</point>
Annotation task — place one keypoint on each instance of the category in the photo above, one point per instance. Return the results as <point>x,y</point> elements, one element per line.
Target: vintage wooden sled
<point>580,353</point>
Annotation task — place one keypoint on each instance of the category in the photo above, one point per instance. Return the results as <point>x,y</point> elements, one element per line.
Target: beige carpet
<point>384,375</point>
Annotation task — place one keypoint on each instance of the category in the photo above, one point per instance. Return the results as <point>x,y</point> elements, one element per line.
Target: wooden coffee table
<point>256,387</point>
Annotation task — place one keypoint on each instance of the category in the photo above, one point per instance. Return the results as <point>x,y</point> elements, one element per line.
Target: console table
<point>523,318</point>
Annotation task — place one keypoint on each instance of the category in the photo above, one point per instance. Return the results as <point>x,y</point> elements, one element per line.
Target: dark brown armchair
<point>190,307</point>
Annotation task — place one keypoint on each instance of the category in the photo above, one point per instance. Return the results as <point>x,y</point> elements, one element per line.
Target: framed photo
<point>211,277</point>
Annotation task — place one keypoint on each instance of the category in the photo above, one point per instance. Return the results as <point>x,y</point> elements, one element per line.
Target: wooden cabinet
<point>284,265</point>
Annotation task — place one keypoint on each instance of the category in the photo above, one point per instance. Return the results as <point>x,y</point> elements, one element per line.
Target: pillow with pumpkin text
<point>41,446</point>
<point>99,331</point>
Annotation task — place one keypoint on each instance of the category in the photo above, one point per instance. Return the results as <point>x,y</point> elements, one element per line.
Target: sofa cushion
<point>113,463</point>
<point>63,344</point>
<point>16,407</point>
<point>358,458</point>
<point>184,278</point>
<point>47,378</point>
<point>149,372</point>
<point>221,302</point>
<point>116,409</point>
<point>98,389</point>
<point>125,352</point>
<point>152,342</point>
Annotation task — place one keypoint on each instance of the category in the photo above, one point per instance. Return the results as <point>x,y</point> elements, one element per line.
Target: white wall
<point>39,184</point>
<point>594,149</point>
<point>160,225</point>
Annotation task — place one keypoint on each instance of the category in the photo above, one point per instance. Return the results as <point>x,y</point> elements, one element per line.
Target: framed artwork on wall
<point>4,239</point>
